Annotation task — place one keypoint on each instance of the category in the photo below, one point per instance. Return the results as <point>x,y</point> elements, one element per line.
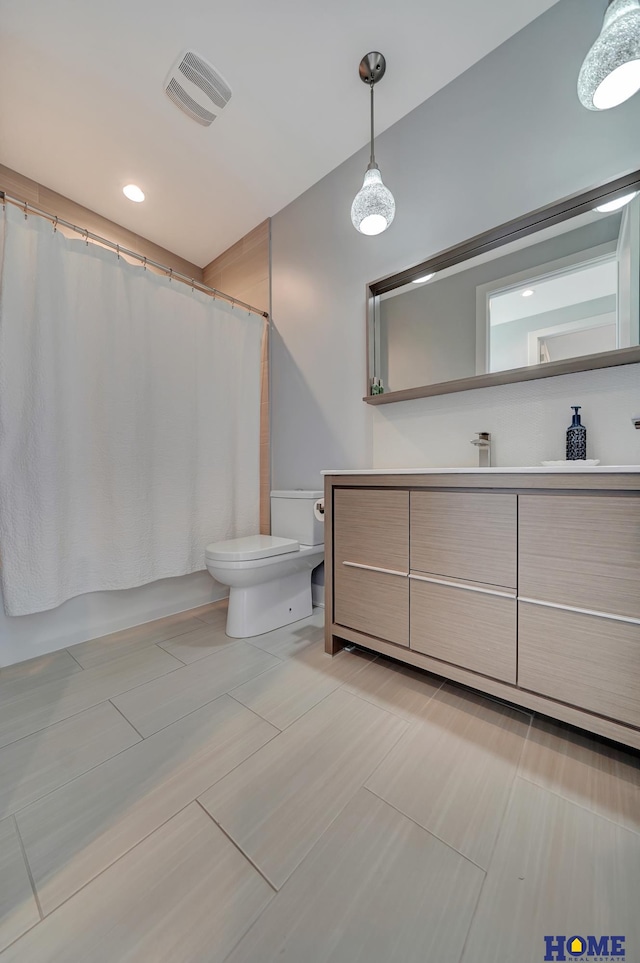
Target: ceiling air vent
<point>197,88</point>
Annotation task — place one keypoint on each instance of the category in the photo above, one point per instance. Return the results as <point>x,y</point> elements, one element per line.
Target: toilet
<point>269,576</point>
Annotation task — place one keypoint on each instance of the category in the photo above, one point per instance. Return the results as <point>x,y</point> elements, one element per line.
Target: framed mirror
<point>554,292</point>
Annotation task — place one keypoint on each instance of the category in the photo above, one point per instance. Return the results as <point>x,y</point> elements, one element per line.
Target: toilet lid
<point>251,547</point>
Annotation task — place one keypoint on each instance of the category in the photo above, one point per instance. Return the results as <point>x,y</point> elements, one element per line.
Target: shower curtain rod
<point>88,236</point>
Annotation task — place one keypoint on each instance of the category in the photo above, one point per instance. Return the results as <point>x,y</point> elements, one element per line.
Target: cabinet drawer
<point>371,527</point>
<point>583,660</point>
<point>582,551</point>
<point>465,535</point>
<point>467,628</point>
<point>372,602</point>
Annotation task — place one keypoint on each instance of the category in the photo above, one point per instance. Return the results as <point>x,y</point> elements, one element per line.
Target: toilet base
<point>262,608</point>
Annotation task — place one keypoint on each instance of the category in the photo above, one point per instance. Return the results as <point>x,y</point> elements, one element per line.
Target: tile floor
<point>168,794</point>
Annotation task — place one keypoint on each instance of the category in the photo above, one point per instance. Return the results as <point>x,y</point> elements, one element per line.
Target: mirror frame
<point>530,223</point>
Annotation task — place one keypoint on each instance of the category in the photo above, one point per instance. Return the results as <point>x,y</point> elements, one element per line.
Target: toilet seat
<point>250,548</point>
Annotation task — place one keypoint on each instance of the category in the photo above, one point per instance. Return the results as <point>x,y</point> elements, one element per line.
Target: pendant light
<point>373,207</point>
<point>610,73</point>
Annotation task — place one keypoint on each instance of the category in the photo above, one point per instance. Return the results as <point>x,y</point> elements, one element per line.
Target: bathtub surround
<point>502,139</point>
<point>157,390</point>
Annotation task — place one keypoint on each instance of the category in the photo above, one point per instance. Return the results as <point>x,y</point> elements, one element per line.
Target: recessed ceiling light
<point>133,192</point>
<point>425,277</point>
<point>527,293</point>
<point>617,204</point>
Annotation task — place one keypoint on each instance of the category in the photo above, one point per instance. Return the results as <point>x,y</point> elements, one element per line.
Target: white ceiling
<point>82,107</point>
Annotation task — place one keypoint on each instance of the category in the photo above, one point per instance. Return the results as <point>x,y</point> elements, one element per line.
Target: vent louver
<point>181,99</point>
<point>197,88</point>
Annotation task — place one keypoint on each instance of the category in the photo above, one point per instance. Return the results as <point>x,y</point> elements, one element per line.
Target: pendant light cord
<point>372,160</point>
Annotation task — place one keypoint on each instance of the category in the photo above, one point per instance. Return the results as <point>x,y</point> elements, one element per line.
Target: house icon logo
<point>588,948</point>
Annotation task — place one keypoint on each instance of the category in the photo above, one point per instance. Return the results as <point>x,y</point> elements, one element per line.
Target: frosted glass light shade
<point>373,207</point>
<point>610,73</point>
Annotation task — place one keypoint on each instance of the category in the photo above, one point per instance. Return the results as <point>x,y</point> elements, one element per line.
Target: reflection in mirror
<point>567,291</point>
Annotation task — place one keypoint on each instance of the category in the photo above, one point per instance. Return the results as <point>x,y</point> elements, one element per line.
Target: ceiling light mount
<point>373,207</point>
<point>372,67</point>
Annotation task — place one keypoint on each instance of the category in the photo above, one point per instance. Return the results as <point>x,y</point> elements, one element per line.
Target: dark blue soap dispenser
<point>576,438</point>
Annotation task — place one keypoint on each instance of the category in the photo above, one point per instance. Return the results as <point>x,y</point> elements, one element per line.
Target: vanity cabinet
<point>526,587</point>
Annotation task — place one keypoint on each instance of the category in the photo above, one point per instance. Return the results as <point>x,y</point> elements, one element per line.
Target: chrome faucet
<point>483,444</point>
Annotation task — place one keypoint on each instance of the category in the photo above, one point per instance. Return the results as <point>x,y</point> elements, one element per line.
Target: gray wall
<point>506,137</point>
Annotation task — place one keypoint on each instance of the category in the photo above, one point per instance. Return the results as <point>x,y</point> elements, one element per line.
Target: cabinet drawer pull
<point>573,608</point>
<point>374,568</point>
<point>465,586</point>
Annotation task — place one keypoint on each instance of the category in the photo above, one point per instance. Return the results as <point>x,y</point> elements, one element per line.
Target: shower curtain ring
<point>55,225</point>
<point>145,264</point>
<point>118,250</point>
<point>25,210</point>
<point>171,274</point>
<point>86,236</point>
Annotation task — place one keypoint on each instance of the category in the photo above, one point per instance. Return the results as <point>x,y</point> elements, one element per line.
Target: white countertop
<point>534,470</point>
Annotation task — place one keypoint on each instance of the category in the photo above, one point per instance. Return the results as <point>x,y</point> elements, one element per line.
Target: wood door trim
<point>506,594</point>
<point>374,568</point>
<point>573,608</point>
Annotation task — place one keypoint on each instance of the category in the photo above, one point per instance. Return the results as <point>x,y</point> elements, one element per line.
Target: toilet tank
<point>292,516</point>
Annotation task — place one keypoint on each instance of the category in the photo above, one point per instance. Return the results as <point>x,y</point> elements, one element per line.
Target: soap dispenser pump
<point>576,437</point>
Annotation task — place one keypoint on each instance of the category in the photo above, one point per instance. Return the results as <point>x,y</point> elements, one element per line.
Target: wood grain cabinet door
<point>584,660</point>
<point>581,551</point>
<point>463,626</point>
<point>465,535</point>
<point>371,562</point>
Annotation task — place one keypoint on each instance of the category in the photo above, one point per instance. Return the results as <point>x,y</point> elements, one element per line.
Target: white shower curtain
<point>129,420</point>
